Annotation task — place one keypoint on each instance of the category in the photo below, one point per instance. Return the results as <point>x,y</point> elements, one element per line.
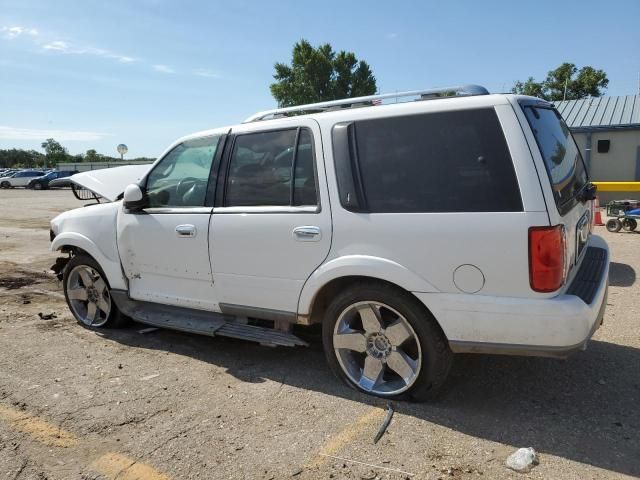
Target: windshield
<point>558,149</point>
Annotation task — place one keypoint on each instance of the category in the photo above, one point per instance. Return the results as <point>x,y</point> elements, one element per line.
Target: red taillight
<point>546,258</point>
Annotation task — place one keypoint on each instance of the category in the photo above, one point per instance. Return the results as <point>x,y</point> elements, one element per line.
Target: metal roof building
<point>607,131</point>
<point>601,112</point>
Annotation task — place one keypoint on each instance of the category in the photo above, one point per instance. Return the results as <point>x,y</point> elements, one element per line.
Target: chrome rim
<point>377,348</point>
<point>88,296</point>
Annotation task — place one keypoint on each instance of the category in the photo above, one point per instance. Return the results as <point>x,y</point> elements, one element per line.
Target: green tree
<point>92,156</point>
<point>581,83</point>
<point>320,74</point>
<point>55,153</point>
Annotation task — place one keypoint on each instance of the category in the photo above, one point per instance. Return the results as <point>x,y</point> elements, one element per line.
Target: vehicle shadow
<point>621,275</point>
<point>584,409</point>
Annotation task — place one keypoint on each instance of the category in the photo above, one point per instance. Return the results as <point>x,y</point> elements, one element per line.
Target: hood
<point>109,183</point>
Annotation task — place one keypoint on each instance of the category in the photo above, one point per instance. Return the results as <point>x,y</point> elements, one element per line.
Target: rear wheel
<point>382,341</point>
<point>614,225</point>
<point>87,293</point>
<point>37,186</point>
<point>629,224</point>
<point>5,184</point>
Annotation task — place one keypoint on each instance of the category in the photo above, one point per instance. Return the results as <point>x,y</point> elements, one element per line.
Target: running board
<point>200,322</point>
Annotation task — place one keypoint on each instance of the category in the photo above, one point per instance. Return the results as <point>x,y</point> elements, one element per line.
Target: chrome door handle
<point>307,233</point>
<point>184,231</point>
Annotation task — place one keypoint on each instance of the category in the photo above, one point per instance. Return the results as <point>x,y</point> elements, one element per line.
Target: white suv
<point>410,231</point>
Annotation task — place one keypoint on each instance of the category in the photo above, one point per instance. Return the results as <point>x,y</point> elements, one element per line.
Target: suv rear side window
<point>436,162</point>
<point>559,151</point>
<point>261,168</point>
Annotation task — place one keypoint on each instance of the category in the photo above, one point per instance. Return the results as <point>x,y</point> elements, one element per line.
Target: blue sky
<point>93,74</point>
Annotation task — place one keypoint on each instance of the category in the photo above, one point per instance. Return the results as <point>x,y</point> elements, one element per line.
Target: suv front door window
<point>180,179</point>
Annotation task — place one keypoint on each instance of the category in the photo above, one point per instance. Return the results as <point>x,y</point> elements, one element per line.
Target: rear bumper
<point>554,327</point>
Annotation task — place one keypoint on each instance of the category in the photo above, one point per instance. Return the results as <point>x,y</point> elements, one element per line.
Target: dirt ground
<point>82,404</point>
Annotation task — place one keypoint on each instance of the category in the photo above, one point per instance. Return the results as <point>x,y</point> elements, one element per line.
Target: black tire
<point>115,319</point>
<point>436,358</point>
<point>5,184</point>
<point>614,225</point>
<point>629,224</point>
<point>37,186</point>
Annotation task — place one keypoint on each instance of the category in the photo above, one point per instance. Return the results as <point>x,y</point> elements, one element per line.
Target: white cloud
<point>16,31</point>
<point>13,133</point>
<point>163,68</point>
<point>201,72</point>
<point>57,46</point>
<point>60,46</point>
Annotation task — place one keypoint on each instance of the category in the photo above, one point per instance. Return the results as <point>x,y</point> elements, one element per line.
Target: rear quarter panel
<point>432,245</point>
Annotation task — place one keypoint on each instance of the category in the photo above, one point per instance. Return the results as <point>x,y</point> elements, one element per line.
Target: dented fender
<point>111,268</point>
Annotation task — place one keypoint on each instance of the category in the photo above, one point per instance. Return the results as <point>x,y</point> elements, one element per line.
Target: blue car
<point>42,183</point>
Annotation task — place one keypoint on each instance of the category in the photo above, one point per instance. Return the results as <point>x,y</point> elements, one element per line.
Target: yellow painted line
<point>116,465</point>
<point>346,436</point>
<point>37,428</point>
<point>618,186</point>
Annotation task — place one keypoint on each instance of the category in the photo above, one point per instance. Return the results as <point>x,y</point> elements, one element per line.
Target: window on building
<point>604,146</point>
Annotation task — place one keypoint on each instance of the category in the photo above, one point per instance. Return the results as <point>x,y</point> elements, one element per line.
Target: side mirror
<point>133,198</point>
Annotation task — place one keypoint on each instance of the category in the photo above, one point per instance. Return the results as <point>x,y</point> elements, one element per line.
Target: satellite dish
<point>122,149</point>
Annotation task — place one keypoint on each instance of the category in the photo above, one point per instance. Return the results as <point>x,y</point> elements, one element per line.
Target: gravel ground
<point>76,403</point>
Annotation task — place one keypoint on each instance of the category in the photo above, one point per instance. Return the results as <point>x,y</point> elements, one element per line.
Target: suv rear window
<point>561,156</point>
<point>436,162</point>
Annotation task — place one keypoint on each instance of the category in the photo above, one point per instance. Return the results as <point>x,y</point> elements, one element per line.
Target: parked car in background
<point>20,179</point>
<point>408,231</point>
<point>42,183</point>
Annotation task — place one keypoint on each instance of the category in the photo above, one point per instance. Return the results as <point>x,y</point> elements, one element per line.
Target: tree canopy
<point>587,81</point>
<point>320,74</point>
<point>54,152</point>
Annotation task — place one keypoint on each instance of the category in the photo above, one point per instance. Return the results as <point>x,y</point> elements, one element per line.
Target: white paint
<point>109,183</point>
<point>249,256</point>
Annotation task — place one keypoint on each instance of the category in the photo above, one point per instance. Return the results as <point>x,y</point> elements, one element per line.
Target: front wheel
<point>37,186</point>
<point>87,293</point>
<point>5,184</point>
<point>382,341</point>
<point>614,225</point>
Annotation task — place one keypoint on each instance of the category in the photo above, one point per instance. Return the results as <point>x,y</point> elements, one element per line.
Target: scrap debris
<point>385,424</point>
<point>148,330</point>
<point>47,316</point>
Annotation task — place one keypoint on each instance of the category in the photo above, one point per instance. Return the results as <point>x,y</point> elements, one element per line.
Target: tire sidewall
<point>83,259</point>
<point>429,335</point>
<point>614,225</point>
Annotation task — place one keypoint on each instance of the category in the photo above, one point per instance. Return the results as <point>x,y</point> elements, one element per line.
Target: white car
<point>409,231</point>
<point>20,179</point>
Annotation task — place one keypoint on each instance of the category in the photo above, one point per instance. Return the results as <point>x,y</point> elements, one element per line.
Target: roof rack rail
<point>461,91</point>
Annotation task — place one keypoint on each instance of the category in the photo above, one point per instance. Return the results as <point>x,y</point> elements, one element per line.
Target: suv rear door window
<point>261,167</point>
<point>558,149</point>
<point>437,162</point>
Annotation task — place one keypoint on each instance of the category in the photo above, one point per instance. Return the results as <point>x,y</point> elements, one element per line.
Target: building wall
<point>84,166</point>
<point>621,163</point>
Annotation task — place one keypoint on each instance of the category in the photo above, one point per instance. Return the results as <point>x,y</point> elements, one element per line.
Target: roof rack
<point>459,91</point>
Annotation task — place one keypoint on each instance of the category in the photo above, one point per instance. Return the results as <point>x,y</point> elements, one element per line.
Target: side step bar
<point>200,322</point>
